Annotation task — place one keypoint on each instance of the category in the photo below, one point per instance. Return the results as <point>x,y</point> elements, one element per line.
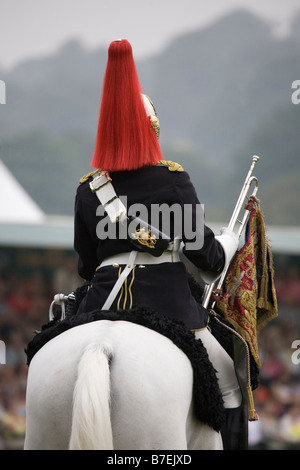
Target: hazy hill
<point>222,94</point>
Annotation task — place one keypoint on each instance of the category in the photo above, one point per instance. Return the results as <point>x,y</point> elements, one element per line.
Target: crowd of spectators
<point>24,305</point>
<point>277,398</point>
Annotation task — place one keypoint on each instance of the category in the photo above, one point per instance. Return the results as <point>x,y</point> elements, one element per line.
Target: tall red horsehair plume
<point>125,137</point>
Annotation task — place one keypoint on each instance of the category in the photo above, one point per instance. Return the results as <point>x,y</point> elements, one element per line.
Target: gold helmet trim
<point>152,114</point>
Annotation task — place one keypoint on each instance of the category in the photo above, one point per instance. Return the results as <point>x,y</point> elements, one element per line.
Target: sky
<point>34,28</point>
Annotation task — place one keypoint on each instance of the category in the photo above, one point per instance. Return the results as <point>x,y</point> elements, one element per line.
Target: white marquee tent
<point>23,223</point>
<point>16,206</point>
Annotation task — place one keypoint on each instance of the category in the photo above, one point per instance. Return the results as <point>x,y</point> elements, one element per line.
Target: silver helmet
<point>151,112</point>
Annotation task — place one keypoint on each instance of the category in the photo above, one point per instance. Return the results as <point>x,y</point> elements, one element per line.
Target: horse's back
<point>151,387</point>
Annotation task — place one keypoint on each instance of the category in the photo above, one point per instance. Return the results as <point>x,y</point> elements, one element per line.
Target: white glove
<point>229,241</point>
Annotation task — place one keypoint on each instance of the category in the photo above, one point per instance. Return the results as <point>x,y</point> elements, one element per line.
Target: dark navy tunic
<point>163,287</point>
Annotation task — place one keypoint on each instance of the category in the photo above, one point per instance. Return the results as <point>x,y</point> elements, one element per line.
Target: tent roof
<point>16,206</point>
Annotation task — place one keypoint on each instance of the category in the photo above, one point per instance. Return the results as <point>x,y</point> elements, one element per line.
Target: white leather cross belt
<point>141,258</point>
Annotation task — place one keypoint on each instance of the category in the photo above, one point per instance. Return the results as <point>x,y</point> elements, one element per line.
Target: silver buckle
<point>100,181</point>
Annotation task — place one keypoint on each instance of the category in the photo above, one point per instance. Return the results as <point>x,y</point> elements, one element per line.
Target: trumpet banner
<point>249,297</point>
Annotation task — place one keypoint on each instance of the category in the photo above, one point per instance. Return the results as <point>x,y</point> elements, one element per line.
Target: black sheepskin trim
<point>224,337</point>
<point>208,402</point>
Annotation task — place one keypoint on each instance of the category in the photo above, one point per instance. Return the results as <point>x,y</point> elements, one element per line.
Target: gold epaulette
<point>172,166</point>
<point>86,177</point>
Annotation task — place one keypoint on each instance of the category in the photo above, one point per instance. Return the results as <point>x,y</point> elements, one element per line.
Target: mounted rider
<point>127,272</point>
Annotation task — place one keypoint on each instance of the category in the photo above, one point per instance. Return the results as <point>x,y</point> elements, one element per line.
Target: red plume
<point>125,137</point>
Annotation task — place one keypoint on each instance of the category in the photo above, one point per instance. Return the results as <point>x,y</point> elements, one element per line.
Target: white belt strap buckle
<point>101,185</point>
<point>99,181</point>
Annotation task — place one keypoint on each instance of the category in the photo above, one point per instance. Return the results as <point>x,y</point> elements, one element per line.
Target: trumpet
<point>235,224</point>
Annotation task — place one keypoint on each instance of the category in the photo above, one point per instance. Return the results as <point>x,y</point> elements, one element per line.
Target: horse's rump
<point>208,403</point>
<point>151,388</point>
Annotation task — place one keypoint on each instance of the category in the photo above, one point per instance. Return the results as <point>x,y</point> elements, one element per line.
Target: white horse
<point>113,385</point>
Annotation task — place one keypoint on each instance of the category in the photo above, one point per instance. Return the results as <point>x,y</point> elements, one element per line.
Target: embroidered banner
<point>249,298</point>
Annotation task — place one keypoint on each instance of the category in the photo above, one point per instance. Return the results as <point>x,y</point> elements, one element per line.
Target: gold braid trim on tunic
<point>172,166</point>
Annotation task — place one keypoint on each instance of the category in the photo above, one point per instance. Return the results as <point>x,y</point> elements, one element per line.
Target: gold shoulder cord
<point>86,177</point>
<point>172,166</point>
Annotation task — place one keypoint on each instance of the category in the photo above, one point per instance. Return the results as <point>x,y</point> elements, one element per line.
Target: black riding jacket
<point>162,287</point>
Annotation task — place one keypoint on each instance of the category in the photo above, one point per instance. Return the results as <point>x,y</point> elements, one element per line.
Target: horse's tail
<point>91,423</point>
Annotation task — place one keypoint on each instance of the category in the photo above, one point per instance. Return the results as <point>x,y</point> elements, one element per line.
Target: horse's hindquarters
<point>151,388</point>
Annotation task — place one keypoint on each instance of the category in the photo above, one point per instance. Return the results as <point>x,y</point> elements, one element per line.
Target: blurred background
<point>220,74</point>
